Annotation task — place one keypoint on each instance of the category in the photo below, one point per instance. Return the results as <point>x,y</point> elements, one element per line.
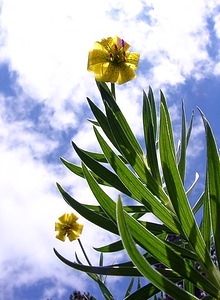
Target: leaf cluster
<point>175,253</point>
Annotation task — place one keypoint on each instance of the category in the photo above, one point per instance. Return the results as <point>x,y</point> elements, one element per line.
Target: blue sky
<point>44,83</point>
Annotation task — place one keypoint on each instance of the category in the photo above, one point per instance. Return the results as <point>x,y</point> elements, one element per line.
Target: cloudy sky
<point>44,83</point>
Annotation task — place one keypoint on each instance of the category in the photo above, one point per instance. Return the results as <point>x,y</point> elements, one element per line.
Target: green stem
<point>86,257</point>
<point>113,89</point>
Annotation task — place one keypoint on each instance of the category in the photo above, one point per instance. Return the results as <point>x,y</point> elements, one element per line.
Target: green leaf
<point>113,247</point>
<point>126,146</point>
<point>206,227</point>
<point>213,183</point>
<point>182,161</point>
<point>176,190</point>
<point>107,97</point>
<point>139,191</point>
<point>98,279</point>
<point>103,122</point>
<point>141,263</point>
<point>128,292</point>
<point>148,112</point>
<point>90,215</point>
<point>198,204</point>
<point>159,249</point>
<point>143,293</point>
<point>168,122</point>
<point>112,270</point>
<point>153,110</point>
<point>190,189</point>
<point>78,171</point>
<point>103,173</point>
<point>190,128</point>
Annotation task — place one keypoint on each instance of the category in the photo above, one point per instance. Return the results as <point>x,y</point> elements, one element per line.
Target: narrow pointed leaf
<point>138,191</point>
<point>105,174</point>
<point>190,189</point>
<point>213,183</point>
<point>106,96</point>
<point>112,270</point>
<point>103,122</point>
<point>150,139</point>
<point>190,128</point>
<point>90,215</point>
<point>143,293</point>
<point>182,161</point>
<point>158,248</point>
<point>144,267</point>
<point>168,123</point>
<point>98,279</point>
<point>78,171</point>
<point>128,292</point>
<point>176,190</point>
<point>113,247</point>
<point>153,110</point>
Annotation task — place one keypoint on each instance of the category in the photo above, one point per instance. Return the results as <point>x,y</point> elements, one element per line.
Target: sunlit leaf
<point>213,184</point>
<point>144,267</point>
<point>139,191</point>
<point>149,242</point>
<point>90,215</point>
<point>149,118</point>
<point>176,190</point>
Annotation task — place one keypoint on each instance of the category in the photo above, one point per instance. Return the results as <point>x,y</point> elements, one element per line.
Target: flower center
<point>117,54</point>
<point>67,229</point>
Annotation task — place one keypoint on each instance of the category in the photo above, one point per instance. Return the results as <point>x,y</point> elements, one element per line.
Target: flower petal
<point>61,236</point>
<point>107,72</point>
<point>126,73</point>
<point>63,219</point>
<point>105,44</point>
<point>96,56</point>
<point>78,227</point>
<point>72,219</point>
<point>58,226</point>
<point>73,236</point>
<point>132,59</point>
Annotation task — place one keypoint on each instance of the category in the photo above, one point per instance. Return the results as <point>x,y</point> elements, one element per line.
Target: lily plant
<point>180,255</point>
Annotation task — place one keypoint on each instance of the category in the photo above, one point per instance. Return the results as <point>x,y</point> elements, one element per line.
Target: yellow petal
<point>72,218</point>
<point>63,219</point>
<point>61,236</point>
<point>119,43</point>
<point>78,227</point>
<point>132,59</point>
<point>58,226</point>
<point>105,44</point>
<point>96,56</point>
<point>73,236</point>
<point>107,73</point>
<point>125,74</point>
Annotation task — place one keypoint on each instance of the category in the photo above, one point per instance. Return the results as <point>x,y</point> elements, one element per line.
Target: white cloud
<point>47,42</point>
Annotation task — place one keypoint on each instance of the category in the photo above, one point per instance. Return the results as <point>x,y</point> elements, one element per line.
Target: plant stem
<point>113,89</point>
<point>86,257</point>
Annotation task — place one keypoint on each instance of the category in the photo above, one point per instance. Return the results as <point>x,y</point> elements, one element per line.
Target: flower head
<point>111,62</point>
<point>68,227</point>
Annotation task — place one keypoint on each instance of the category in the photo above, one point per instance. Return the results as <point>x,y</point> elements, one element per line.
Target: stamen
<point>122,43</point>
<point>111,56</point>
<point>116,47</point>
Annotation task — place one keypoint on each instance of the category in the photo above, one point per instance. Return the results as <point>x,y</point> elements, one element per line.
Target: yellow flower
<point>68,227</point>
<point>111,62</point>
